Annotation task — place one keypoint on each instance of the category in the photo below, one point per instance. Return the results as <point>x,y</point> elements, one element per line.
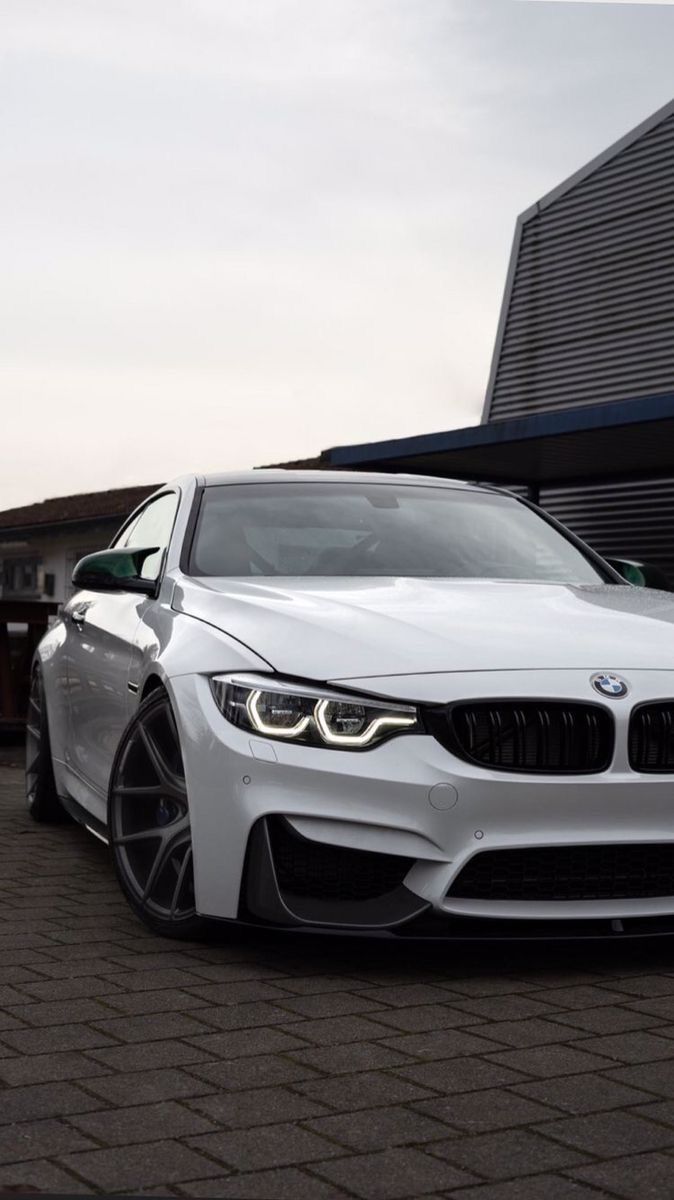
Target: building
<point>580,401</point>
<point>40,543</point>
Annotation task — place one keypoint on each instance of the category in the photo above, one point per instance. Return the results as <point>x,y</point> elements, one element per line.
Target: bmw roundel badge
<point>609,685</point>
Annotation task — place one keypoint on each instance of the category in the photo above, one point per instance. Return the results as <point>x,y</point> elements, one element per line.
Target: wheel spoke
<point>168,846</point>
<point>152,789</point>
<point>143,835</point>
<point>162,769</point>
<point>187,860</point>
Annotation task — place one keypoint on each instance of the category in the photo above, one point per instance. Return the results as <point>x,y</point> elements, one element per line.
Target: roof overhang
<point>622,439</point>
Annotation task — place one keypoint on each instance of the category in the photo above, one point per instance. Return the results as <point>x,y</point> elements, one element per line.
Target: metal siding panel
<point>590,315</point>
<point>625,520</point>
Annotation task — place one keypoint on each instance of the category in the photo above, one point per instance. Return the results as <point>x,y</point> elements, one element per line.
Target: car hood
<point>336,629</point>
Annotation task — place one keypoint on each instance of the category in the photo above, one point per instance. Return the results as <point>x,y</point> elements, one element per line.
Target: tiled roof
<point>86,506</point>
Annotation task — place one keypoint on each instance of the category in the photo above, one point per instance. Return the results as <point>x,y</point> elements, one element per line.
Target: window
<point>391,529</point>
<point>21,577</point>
<point>152,527</point>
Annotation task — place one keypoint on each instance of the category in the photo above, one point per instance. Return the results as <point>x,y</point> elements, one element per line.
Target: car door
<point>101,629</point>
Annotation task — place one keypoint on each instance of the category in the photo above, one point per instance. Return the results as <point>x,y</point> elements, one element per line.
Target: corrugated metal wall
<point>591,311</point>
<point>625,520</point>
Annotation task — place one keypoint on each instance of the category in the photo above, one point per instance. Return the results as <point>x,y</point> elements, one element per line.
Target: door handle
<point>77,616</point>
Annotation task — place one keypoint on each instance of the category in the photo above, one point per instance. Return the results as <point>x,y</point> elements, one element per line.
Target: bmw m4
<point>366,703</point>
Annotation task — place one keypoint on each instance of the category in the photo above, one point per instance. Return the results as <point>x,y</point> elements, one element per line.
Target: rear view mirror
<point>640,574</point>
<point>115,571</point>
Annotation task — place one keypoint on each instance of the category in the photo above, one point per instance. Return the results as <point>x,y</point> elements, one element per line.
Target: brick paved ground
<point>272,1068</point>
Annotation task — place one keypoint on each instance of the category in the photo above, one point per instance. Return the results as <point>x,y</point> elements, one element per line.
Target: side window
<point>152,527</point>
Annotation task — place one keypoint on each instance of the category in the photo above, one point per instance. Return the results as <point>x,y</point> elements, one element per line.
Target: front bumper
<point>413,801</point>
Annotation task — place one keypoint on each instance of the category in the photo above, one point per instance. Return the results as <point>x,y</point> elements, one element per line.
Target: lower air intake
<point>324,872</point>
<point>568,873</point>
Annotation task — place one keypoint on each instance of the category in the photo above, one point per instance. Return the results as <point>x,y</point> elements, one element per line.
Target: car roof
<point>279,475</point>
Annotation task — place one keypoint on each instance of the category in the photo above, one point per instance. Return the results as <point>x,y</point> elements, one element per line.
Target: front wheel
<point>149,822</point>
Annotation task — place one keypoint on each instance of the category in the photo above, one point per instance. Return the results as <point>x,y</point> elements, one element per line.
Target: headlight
<point>275,709</point>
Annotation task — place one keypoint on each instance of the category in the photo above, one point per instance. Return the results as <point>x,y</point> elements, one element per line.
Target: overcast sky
<point>239,231</point>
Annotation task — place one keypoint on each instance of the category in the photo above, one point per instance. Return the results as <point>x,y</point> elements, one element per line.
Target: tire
<point>149,823</point>
<point>41,796</point>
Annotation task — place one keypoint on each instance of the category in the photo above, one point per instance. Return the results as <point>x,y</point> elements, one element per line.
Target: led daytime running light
<point>274,730</point>
<point>357,739</point>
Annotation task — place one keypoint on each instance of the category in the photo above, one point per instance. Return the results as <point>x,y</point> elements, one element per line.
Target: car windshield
<point>371,529</point>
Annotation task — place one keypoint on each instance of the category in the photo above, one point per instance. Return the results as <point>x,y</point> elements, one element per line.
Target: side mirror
<point>115,571</point>
<point>640,574</point>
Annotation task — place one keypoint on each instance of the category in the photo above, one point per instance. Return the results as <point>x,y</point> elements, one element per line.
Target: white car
<point>363,702</point>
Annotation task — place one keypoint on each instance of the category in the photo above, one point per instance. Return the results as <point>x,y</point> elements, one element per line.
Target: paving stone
<point>638,1177</point>
<point>361,1091</point>
<point>636,1047</point>
<point>531,1032</point>
<point>60,1012</point>
<point>582,1093</point>
<point>81,987</point>
<point>461,1075</point>
<point>141,1123</point>
<point>54,1039</point>
<point>424,1017</point>
<point>610,1133</point>
<point>128,1168</point>
<point>605,1020</point>
<point>330,1031</point>
<point>243,1016</point>
<point>506,1153</point>
<point>582,996</point>
<point>551,1060</point>
<point>149,1056</point>
<point>237,1043</point>
<point>440,1044</point>
<point>661,1007</point>
<point>354,1056</point>
<point>145,1087</point>
<point>379,1129</point>
<point>531,1187</point>
<point>46,1068</point>
<point>655,1077</point>
<point>41,1176</point>
<point>262,1070</point>
<point>266,1146</point>
<point>646,985</point>
<point>657,1110</point>
<point>287,1183</point>
<point>43,1100</point>
<point>309,983</point>
<point>260,1106</point>
<point>158,1001</point>
<point>505,1008</point>
<point>154,1027</point>
<point>329,1004</point>
<point>242,992</point>
<point>480,1112</point>
<point>409,994</point>
<point>393,1174</point>
<point>39,1139</point>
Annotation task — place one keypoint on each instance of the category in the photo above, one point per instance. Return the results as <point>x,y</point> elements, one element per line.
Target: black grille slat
<point>325,872</point>
<point>651,738</point>
<point>546,736</point>
<point>610,872</point>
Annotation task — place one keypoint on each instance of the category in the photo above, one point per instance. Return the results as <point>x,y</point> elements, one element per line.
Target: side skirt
<point>80,814</point>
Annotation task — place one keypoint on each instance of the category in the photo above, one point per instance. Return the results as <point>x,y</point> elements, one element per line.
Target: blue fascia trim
<point>595,416</point>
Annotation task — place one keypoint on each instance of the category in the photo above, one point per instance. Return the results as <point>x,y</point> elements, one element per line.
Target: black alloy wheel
<point>41,796</point>
<point>149,822</point>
